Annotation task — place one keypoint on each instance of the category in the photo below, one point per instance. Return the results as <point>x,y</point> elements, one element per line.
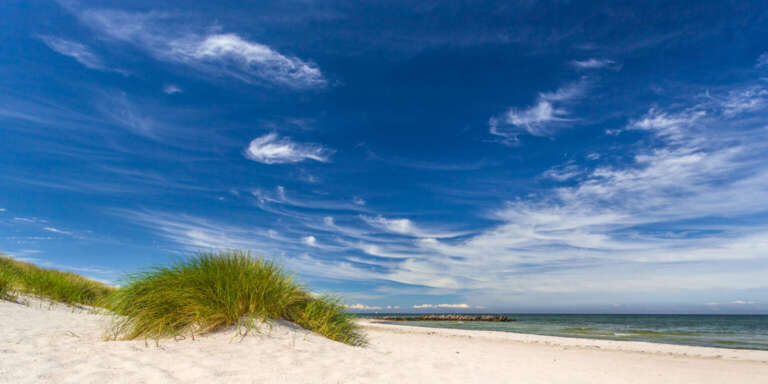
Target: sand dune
<point>43,344</point>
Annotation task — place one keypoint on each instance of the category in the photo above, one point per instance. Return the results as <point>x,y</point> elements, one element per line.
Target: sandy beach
<point>59,344</point>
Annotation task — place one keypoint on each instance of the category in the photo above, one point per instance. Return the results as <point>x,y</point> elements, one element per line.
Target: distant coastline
<point>721,331</point>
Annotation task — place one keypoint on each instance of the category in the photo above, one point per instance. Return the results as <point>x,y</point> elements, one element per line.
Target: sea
<point>725,331</point>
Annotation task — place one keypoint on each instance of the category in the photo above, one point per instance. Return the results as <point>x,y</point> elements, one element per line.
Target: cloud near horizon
<point>363,307</point>
<point>447,306</point>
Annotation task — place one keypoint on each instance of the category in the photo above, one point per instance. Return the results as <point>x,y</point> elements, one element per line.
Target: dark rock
<point>497,318</point>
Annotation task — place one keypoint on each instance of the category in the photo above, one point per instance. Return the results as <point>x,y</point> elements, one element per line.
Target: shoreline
<point>577,342</point>
<point>629,334</point>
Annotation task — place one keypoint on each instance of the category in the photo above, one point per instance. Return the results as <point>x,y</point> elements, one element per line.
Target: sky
<point>492,156</point>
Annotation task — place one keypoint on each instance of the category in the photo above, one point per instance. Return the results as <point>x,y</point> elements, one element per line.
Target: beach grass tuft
<point>328,317</point>
<point>213,290</point>
<point>69,288</point>
<point>6,287</point>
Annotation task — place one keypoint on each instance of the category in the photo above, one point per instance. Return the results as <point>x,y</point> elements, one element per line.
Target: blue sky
<point>411,156</point>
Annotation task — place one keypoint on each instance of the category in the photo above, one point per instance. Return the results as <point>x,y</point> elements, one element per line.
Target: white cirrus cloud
<point>747,100</point>
<point>171,89</point>
<point>563,172</point>
<point>402,226</point>
<point>78,51</point>
<point>762,61</point>
<point>358,200</point>
<point>166,38</point>
<point>29,220</point>
<point>196,233</point>
<point>387,251</point>
<point>252,58</point>
<point>670,126</point>
<point>273,149</point>
<point>309,240</point>
<point>592,63</point>
<point>56,230</point>
<point>533,119</point>
<point>543,118</point>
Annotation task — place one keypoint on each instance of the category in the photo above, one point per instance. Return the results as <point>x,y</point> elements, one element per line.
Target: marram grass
<point>69,288</point>
<point>200,294</point>
<point>6,287</point>
<point>214,290</point>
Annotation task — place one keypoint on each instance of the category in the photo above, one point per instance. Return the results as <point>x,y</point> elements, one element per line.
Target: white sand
<point>59,345</point>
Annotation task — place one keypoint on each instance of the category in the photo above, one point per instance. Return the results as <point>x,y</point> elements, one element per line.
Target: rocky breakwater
<point>496,318</point>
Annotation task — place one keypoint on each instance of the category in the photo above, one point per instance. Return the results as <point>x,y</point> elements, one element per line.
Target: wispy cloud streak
<point>543,118</point>
<point>79,52</point>
<point>593,63</point>
<point>273,149</point>
<point>403,226</point>
<point>227,54</point>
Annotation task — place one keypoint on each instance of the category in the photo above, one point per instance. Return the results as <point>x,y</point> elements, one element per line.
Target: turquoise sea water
<point>731,331</point>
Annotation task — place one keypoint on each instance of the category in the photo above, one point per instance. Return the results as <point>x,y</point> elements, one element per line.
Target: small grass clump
<point>215,290</point>
<point>327,316</point>
<point>65,287</point>
<point>6,286</point>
